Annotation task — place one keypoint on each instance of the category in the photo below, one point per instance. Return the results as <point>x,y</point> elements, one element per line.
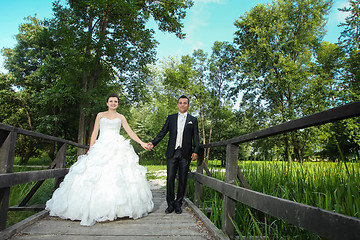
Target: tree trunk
<point>84,87</point>
<point>202,119</point>
<point>208,149</point>
<point>287,148</point>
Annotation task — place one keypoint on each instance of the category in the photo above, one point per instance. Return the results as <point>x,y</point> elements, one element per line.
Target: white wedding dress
<point>106,184</point>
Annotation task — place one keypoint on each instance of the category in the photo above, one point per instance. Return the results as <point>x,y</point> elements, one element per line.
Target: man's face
<point>183,105</point>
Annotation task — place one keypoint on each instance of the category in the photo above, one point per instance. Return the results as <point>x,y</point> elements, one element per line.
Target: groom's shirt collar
<point>185,114</point>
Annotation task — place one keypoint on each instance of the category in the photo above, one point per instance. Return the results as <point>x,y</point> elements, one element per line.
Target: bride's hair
<point>112,95</point>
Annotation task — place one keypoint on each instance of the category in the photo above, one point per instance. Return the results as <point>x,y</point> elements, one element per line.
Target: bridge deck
<point>157,225</point>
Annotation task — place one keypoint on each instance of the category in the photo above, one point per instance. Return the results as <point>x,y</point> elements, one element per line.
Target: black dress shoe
<point>178,210</point>
<point>169,209</point>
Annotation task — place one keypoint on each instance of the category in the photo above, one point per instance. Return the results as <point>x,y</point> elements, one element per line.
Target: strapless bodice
<point>109,126</point>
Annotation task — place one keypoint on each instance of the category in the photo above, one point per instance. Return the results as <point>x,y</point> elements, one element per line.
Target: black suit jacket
<point>190,142</point>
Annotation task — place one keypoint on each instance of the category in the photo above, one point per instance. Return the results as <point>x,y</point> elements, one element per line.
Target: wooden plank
<point>331,115</point>
<point>322,222</point>
<point>242,178</point>
<point>156,225</point>
<point>210,225</point>
<point>4,204</point>
<point>5,234</point>
<point>199,169</point>
<point>60,163</point>
<point>7,154</point>
<point>11,179</point>
<point>207,169</point>
<point>40,135</point>
<point>37,207</point>
<point>229,209</point>
<point>31,193</point>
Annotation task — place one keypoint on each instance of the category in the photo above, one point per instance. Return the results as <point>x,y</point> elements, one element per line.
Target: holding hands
<point>150,146</point>
<point>147,146</point>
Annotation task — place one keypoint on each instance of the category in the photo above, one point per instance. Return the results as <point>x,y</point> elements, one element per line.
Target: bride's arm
<point>131,132</point>
<point>95,131</point>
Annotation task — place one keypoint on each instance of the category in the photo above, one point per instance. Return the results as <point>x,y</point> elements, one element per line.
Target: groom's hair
<point>183,96</point>
<point>112,95</point>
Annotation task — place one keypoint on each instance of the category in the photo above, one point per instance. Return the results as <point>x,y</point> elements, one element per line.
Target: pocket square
<point>190,122</point>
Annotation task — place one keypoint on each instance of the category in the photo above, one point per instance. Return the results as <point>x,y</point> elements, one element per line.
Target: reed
<point>333,186</point>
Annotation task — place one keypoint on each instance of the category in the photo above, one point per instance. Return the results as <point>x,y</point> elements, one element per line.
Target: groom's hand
<point>194,156</point>
<point>150,146</point>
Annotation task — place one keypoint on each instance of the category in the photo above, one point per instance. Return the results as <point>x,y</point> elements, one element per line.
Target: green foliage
<point>62,68</point>
<point>286,70</point>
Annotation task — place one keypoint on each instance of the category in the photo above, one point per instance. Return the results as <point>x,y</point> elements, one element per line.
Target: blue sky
<point>206,22</point>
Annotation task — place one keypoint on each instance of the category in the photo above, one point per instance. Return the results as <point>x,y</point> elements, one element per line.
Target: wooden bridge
<point>157,225</point>
<point>326,224</point>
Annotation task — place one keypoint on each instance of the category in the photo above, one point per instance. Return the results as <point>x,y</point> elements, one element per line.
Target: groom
<point>183,147</point>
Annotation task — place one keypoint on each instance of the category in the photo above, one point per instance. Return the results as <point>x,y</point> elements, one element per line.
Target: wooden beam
<point>11,179</point>
<point>242,178</point>
<point>60,163</point>
<point>199,170</point>
<point>331,115</point>
<point>40,135</point>
<point>7,154</point>
<point>37,207</point>
<point>229,210</point>
<point>325,223</point>
<point>31,193</point>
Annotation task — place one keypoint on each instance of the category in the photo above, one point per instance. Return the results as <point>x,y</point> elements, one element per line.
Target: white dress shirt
<point>180,129</point>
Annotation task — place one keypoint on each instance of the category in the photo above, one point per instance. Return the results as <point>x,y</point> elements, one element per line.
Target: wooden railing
<point>322,222</point>
<point>57,170</point>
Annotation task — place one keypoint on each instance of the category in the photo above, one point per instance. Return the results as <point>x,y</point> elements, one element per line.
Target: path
<point>157,225</point>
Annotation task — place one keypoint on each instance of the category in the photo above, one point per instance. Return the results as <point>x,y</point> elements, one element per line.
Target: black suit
<point>178,160</point>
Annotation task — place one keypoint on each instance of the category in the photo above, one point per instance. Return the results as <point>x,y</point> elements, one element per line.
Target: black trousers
<point>176,164</point>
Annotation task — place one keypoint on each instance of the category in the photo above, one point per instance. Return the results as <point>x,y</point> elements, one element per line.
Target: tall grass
<point>331,186</point>
<point>18,193</point>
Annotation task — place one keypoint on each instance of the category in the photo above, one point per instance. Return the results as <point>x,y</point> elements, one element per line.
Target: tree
<point>276,46</point>
<point>112,43</point>
<point>89,49</point>
<point>221,74</point>
<point>41,104</point>
<point>190,77</point>
<point>346,133</point>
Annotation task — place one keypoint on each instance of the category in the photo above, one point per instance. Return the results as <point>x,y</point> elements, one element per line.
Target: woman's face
<point>112,103</point>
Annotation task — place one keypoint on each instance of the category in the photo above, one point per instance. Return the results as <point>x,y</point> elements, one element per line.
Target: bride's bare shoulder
<point>100,114</point>
<point>122,117</point>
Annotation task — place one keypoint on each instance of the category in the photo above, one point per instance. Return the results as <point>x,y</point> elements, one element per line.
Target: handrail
<point>331,115</point>
<point>8,136</point>
<point>329,225</point>
<point>39,135</point>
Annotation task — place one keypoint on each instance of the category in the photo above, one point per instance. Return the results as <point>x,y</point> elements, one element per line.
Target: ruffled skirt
<point>106,184</point>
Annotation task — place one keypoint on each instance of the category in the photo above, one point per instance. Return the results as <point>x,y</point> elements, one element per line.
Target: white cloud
<point>340,15</point>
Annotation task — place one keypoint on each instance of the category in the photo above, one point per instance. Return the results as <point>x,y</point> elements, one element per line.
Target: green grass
<point>330,186</point>
<point>18,193</point>
<point>39,161</point>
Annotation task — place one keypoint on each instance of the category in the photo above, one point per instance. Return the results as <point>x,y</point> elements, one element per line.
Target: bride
<point>108,182</point>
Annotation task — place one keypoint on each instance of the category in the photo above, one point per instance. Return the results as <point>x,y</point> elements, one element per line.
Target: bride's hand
<point>144,146</point>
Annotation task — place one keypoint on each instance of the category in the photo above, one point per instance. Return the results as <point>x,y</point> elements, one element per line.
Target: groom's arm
<point>162,133</point>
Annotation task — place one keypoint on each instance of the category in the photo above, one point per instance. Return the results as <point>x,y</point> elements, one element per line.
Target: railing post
<point>7,154</point>
<point>199,170</point>
<point>231,164</point>
<point>60,162</point>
